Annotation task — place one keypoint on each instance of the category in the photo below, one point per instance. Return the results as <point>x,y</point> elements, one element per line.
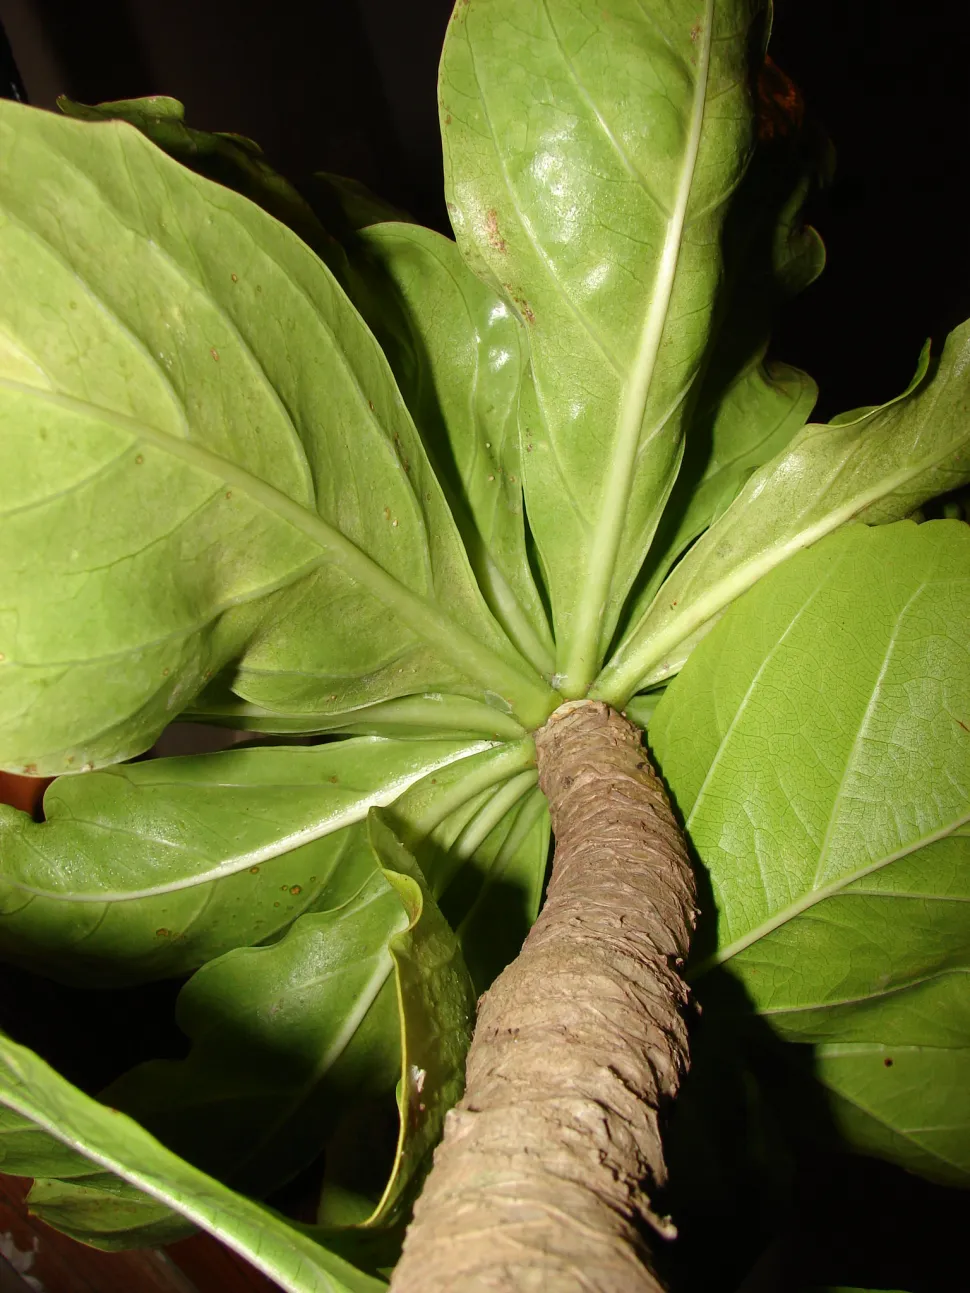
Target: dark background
<point>349,86</point>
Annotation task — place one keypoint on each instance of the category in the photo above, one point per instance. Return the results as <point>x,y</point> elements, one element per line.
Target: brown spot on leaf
<point>888,1062</point>
<point>295,889</point>
<point>163,933</point>
<point>214,353</point>
<point>963,725</point>
<point>228,493</point>
<point>447,118</point>
<point>234,277</point>
<point>139,459</point>
<point>495,239</point>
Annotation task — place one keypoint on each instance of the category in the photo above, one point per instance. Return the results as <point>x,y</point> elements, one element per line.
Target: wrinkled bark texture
<point>543,1178</point>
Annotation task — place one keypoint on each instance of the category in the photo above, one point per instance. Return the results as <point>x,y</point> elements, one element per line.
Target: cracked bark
<point>544,1176</point>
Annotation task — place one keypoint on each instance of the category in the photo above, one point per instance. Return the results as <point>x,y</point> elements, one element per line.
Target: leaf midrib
<point>581,661</point>
<point>635,667</point>
<point>382,797</point>
<point>815,896</point>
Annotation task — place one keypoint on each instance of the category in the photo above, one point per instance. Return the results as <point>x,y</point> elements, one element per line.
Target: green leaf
<point>106,1212</point>
<point>459,356</point>
<point>916,1112</point>
<point>179,365</point>
<point>150,869</point>
<point>285,1038</point>
<point>641,709</point>
<point>589,159</point>
<point>415,717</point>
<point>445,819</point>
<point>96,1207</point>
<point>26,1150</point>
<point>876,469</point>
<point>31,1088</point>
<point>818,747</point>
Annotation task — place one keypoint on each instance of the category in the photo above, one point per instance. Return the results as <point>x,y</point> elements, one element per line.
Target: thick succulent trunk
<point>544,1176</point>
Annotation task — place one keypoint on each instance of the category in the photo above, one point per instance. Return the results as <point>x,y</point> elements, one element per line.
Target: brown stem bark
<point>543,1178</point>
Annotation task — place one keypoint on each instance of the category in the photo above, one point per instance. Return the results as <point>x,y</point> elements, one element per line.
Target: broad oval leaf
<point>877,468</point>
<point>818,746</point>
<point>32,1090</point>
<point>178,364</point>
<point>150,869</point>
<point>588,178</point>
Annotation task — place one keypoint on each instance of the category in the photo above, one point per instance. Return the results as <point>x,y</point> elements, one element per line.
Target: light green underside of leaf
<point>416,717</point>
<point>264,1083</point>
<point>210,395</point>
<point>817,744</point>
<point>755,418</point>
<point>587,184</point>
<point>286,1038</point>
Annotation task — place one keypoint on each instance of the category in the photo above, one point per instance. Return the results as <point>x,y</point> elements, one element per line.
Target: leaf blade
<point>553,192</point>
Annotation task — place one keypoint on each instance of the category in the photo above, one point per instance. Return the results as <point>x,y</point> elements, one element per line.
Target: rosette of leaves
<point>300,467</point>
